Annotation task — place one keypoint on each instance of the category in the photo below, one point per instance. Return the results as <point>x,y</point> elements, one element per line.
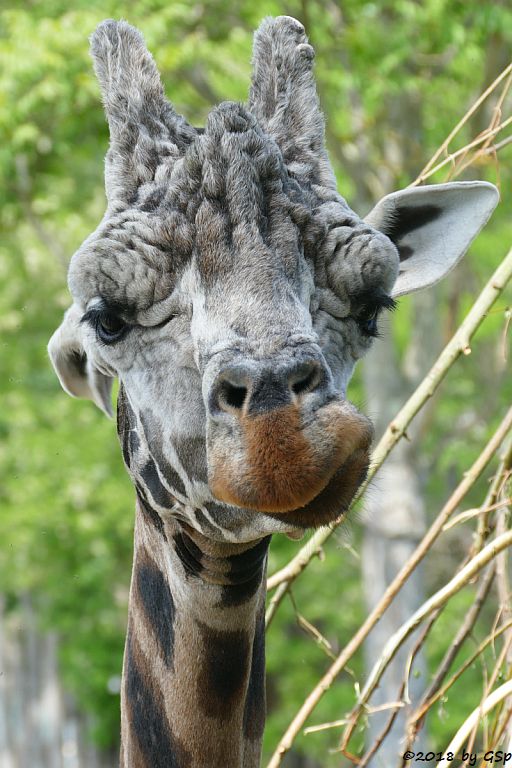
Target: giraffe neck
<point>193,690</point>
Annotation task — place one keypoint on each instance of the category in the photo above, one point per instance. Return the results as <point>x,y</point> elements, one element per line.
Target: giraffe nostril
<point>254,387</point>
<point>230,391</point>
<point>306,384</point>
<point>307,379</point>
<point>232,396</point>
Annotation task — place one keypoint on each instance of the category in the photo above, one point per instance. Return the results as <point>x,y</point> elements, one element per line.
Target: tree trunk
<point>39,725</point>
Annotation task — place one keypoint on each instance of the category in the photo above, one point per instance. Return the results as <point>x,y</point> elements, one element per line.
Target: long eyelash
<point>108,307</point>
<point>93,317</point>
<point>369,307</point>
<point>389,304</point>
<point>376,303</point>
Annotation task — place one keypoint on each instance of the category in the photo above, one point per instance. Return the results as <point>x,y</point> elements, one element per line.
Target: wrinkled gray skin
<point>247,286</point>
<point>231,290</point>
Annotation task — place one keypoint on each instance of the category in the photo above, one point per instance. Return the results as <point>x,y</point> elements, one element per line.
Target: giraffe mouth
<point>304,473</point>
<point>334,500</point>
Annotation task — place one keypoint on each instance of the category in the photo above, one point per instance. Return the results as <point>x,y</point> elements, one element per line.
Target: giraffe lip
<point>277,466</point>
<point>335,498</point>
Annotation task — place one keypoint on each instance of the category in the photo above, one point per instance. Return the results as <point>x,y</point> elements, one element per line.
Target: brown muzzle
<point>276,462</point>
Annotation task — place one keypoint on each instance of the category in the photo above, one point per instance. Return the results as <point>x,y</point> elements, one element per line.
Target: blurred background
<point>394,78</point>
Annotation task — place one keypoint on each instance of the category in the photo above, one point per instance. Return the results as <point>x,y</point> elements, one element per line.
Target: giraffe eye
<point>109,327</point>
<point>369,324</point>
<point>369,311</point>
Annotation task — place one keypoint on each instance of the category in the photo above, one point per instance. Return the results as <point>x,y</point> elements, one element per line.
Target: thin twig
<point>484,137</point>
<point>496,117</point>
<point>459,344</point>
<point>470,514</point>
<point>497,147</point>
<point>502,580</point>
<point>346,654</point>
<point>275,601</point>
<point>471,111</point>
<point>462,734</point>
<point>382,735</point>
<point>324,726</point>
<point>498,734</point>
<point>415,719</point>
<point>488,688</point>
<point>312,631</point>
<point>508,317</point>
<point>460,671</point>
<point>455,584</point>
<point>402,695</point>
<point>495,490</point>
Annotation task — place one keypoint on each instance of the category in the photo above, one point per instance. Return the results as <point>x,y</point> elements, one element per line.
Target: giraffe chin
<point>335,499</point>
<point>332,502</point>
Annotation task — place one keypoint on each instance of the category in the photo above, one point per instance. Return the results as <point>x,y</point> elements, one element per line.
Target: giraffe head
<point>231,290</point>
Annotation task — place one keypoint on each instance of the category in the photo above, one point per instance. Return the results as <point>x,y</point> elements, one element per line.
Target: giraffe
<point>231,290</point>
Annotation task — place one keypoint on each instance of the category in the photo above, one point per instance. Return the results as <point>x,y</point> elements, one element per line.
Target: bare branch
<point>454,648</point>
<point>275,602</point>
<point>420,712</point>
<point>482,139</point>
<point>459,344</point>
<point>395,586</point>
<point>440,598</point>
<point>471,111</point>
<point>469,514</point>
<point>473,720</point>
<point>402,695</point>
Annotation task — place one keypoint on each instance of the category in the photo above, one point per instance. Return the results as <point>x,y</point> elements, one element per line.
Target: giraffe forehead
<point>244,220</point>
<point>230,208</point>
<point>133,260</point>
<point>229,204</point>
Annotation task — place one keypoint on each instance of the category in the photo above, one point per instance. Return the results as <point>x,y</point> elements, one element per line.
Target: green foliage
<point>66,502</point>
<point>330,599</point>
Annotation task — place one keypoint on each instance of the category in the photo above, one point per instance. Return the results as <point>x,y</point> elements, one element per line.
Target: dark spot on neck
<point>245,565</point>
<point>191,452</point>
<point>254,711</point>
<point>246,574</point>
<point>240,575</point>
<point>221,683</point>
<point>150,515</point>
<point>125,423</point>
<point>189,553</point>
<point>153,435</point>
<point>149,474</point>
<point>148,723</point>
<point>156,600</point>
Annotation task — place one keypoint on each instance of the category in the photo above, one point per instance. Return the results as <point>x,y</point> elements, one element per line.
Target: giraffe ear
<point>78,376</point>
<point>432,227</point>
